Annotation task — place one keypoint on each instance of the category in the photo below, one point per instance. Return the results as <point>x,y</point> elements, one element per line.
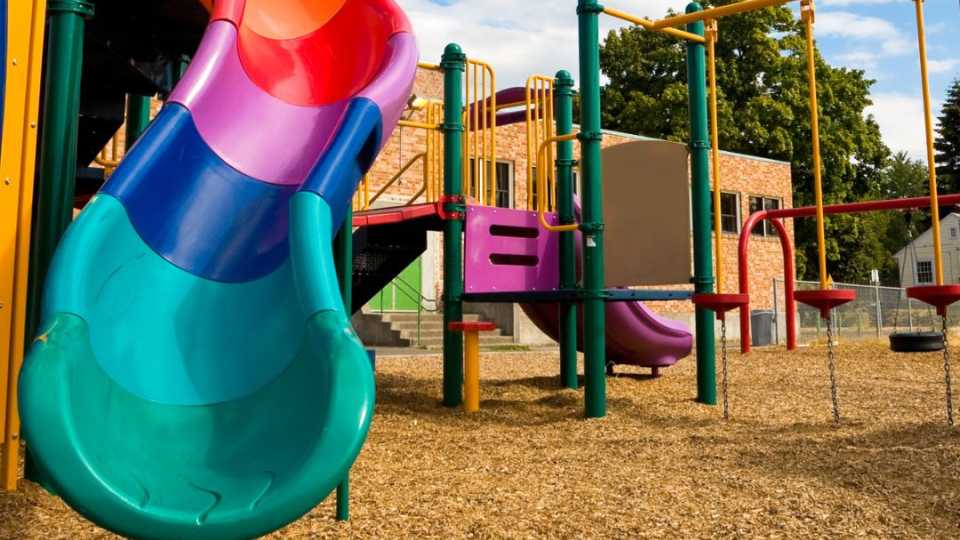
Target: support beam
<point>700,194</point>
<point>594,316</point>
<point>568,251</point>
<point>453,63</point>
<point>649,25</point>
<point>716,13</point>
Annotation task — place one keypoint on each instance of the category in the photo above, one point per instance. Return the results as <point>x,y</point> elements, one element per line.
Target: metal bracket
<point>83,8</point>
<point>585,136</point>
<point>451,207</point>
<point>589,8</point>
<point>699,145</point>
<point>592,228</point>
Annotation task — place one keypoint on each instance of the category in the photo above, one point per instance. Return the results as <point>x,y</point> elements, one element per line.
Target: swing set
<point>826,298</point>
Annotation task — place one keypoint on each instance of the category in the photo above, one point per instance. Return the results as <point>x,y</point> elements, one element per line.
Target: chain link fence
<point>876,313</point>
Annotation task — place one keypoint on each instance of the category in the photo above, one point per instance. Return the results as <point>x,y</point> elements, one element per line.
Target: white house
<point>916,259</point>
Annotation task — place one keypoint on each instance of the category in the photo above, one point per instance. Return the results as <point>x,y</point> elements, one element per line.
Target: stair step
<point>438,333</point>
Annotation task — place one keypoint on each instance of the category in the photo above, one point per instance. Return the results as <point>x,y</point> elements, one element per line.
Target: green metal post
<point>702,239</point>
<point>343,255</point>
<point>454,65</point>
<point>343,499</point>
<point>57,175</point>
<point>594,324</point>
<point>568,253</point>
<point>138,118</point>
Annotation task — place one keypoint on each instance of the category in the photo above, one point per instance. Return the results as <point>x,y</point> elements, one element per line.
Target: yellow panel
<point>17,162</point>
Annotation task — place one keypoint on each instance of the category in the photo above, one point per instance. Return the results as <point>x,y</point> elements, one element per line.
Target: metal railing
<point>540,129</point>
<point>876,313</point>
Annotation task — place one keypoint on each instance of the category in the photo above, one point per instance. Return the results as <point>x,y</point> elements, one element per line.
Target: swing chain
<point>723,356</point>
<point>832,367</point>
<point>946,371</point>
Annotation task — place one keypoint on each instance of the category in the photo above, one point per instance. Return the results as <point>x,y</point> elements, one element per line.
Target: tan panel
<point>646,205</point>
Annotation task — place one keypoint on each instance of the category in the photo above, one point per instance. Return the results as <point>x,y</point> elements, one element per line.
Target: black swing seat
<point>907,342</point>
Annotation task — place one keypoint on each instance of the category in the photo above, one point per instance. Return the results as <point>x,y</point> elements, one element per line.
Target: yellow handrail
<point>807,14</point>
<point>420,125</point>
<point>650,25</point>
<point>110,160</point>
<point>712,36</point>
<point>429,66</point>
<point>480,133</point>
<point>716,13</point>
<point>931,159</point>
<point>542,182</point>
<point>396,177</point>
<point>539,103</point>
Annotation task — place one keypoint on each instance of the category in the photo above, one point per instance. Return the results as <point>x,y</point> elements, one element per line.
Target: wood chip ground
<point>660,465</point>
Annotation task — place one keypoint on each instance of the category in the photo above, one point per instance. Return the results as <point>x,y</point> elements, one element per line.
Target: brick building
<point>749,183</point>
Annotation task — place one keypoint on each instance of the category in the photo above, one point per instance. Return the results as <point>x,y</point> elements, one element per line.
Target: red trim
<point>825,299</point>
<point>721,303</point>
<point>472,326</point>
<point>789,278</point>
<point>938,296</point>
<point>449,199</point>
<point>398,214</point>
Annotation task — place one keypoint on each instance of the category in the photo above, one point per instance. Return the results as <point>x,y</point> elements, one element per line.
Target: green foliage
<point>948,142</point>
<point>763,111</point>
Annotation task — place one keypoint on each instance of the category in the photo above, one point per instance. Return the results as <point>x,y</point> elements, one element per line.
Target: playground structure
<point>535,256</point>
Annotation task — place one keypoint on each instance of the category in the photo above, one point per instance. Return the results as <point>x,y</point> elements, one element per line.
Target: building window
<point>764,203</point>
<point>504,181</point>
<point>729,212</point>
<point>953,232</point>
<point>924,272</point>
<point>504,188</point>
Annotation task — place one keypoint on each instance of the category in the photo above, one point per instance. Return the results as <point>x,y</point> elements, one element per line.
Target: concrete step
<point>401,317</point>
<point>485,341</point>
<point>438,332</point>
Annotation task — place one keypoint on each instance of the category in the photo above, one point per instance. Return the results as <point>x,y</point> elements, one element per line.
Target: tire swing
<point>911,341</point>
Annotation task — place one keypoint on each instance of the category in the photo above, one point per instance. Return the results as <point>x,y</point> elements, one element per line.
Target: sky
<point>522,37</point>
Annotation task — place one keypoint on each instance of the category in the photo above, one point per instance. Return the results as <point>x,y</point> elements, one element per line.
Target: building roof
<point>636,137</point>
<point>926,235</point>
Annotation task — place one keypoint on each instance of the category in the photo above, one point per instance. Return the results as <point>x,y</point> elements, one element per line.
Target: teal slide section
<point>135,454</point>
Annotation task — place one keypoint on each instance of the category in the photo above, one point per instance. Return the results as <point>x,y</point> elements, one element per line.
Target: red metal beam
<point>775,216</point>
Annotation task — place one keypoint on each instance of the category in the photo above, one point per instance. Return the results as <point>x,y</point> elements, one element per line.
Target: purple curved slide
<point>635,334</point>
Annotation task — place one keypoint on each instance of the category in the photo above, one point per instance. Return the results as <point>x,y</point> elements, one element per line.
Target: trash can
<point>761,327</point>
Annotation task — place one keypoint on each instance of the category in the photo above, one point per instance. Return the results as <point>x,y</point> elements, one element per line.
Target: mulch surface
<point>659,465</point>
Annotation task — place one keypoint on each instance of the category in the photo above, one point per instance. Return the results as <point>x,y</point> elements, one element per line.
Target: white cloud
<point>517,38</point>
<point>900,117</point>
<point>942,66</point>
<point>852,26</point>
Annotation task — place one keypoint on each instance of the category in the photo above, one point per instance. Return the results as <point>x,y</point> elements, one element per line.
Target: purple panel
<point>256,133</point>
<point>500,257</point>
<point>393,85</point>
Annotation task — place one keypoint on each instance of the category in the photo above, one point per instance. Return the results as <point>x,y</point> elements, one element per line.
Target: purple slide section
<point>635,334</point>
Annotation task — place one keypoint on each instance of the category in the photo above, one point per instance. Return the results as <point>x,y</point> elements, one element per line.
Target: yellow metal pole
<point>931,160</point>
<point>649,25</point>
<point>808,21</point>
<point>471,371</point>
<point>716,13</point>
<point>25,24</point>
<point>712,35</point>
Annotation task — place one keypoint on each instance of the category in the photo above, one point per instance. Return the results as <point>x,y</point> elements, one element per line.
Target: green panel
<point>401,294</point>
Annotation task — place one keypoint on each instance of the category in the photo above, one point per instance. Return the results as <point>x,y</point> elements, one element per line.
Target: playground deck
<point>659,465</point>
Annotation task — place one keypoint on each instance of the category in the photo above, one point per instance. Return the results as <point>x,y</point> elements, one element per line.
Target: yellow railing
<point>431,160</point>
<point>545,165</point>
<point>539,102</point>
<point>480,133</point>
<point>110,156</point>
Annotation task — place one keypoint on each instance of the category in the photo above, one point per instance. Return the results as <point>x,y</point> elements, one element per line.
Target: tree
<point>902,177</point>
<point>763,111</point>
<point>947,144</point>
